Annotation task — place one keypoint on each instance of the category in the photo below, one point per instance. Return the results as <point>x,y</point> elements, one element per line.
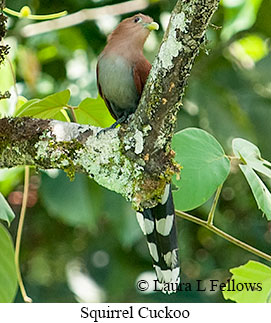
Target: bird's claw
<point>104,130</point>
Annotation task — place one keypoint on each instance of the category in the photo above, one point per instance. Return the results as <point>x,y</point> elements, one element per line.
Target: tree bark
<point>135,160</point>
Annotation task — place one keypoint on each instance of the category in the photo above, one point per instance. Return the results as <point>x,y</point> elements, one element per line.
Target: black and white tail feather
<point>159,226</point>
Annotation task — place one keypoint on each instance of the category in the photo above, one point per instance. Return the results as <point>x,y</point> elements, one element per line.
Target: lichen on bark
<point>162,95</point>
<point>136,159</point>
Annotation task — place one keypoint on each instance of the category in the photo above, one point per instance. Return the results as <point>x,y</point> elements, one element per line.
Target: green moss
<point>59,154</point>
<point>70,171</point>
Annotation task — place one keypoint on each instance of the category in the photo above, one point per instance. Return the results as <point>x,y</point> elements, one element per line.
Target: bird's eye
<point>137,19</point>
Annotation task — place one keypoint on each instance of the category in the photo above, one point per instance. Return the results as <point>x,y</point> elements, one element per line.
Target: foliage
<point>240,15</point>
<point>79,228</point>
<point>48,108</point>
<point>8,277</point>
<point>251,156</point>
<point>89,111</point>
<point>204,164</point>
<point>71,197</point>
<point>250,283</point>
<point>6,212</point>
<point>93,111</point>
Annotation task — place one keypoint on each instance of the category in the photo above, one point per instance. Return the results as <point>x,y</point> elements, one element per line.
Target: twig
<point>83,15</point>
<point>26,13</point>
<point>71,109</point>
<point>212,211</point>
<point>224,235</point>
<point>19,237</point>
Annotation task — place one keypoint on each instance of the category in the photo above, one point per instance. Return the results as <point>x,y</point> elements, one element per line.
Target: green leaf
<point>205,167</point>
<point>73,202</point>
<point>8,278</point>
<point>253,46</point>
<point>240,15</point>
<point>6,82</point>
<point>259,190</point>
<point>23,108</point>
<point>93,112</point>
<point>20,101</point>
<point>6,212</point>
<point>245,277</point>
<point>10,178</point>
<point>47,108</point>
<point>251,155</point>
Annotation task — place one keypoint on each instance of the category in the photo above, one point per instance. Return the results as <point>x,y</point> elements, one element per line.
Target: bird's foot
<point>113,126</point>
<point>104,130</point>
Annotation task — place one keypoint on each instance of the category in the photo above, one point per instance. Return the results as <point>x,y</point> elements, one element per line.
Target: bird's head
<point>134,29</point>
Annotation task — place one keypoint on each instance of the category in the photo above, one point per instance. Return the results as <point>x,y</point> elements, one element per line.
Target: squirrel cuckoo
<point>122,71</point>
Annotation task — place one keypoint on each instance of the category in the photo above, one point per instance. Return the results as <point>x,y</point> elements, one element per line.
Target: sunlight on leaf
<point>20,101</point>
<point>10,178</point>
<point>93,112</point>
<point>47,108</point>
<point>249,50</point>
<point>239,17</point>
<point>25,12</point>
<point>250,283</point>
<point>254,46</point>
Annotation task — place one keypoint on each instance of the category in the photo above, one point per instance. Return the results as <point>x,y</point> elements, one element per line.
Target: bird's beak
<point>152,26</point>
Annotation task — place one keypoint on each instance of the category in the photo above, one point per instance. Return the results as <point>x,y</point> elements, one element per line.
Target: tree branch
<point>72,147</point>
<point>155,118</point>
<point>166,84</point>
<point>135,160</point>
<point>223,234</point>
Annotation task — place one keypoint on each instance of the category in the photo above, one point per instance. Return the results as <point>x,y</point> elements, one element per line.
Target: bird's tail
<point>159,226</point>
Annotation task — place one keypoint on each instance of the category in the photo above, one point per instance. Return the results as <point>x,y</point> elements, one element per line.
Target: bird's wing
<point>141,71</point>
<point>102,95</point>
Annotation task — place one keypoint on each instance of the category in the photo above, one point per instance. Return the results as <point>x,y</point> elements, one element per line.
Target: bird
<point>122,71</point>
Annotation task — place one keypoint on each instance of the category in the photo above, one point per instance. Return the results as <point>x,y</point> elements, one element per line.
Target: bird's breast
<point>117,83</point>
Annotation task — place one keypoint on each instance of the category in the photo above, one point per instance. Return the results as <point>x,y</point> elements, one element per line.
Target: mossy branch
<point>72,147</point>
<point>165,87</point>
<point>135,160</point>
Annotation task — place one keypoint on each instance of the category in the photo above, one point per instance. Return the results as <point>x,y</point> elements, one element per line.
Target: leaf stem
<point>233,157</point>
<point>66,116</point>
<point>223,234</point>
<point>213,208</point>
<point>71,108</point>
<point>13,77</point>
<point>73,115</point>
<point>35,17</point>
<point>19,236</point>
